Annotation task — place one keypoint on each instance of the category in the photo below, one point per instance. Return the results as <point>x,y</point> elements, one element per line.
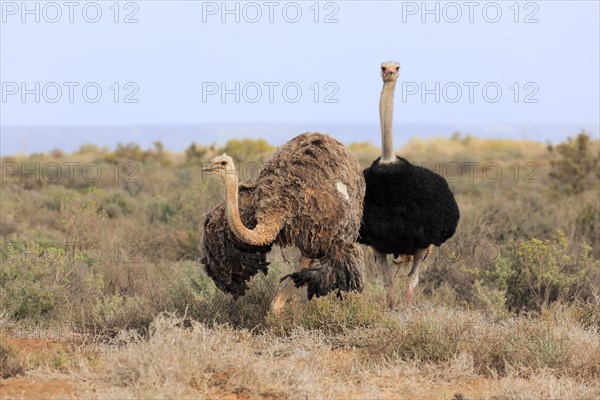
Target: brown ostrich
<point>309,195</point>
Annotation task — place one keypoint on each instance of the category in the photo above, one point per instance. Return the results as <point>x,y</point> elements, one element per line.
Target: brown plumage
<point>309,195</point>
<point>227,260</point>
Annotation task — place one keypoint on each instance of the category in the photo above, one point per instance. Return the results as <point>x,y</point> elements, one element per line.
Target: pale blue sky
<point>171,53</point>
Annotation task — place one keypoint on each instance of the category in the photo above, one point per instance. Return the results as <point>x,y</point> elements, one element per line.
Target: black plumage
<point>406,208</point>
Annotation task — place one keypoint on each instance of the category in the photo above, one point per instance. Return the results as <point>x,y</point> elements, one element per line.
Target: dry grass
<point>182,359</point>
<point>146,322</point>
<point>426,351</point>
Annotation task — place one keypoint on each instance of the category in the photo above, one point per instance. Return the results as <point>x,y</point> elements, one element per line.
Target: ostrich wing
<point>227,260</point>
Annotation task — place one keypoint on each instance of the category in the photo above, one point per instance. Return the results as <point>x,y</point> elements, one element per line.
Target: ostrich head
<point>220,165</point>
<point>390,71</point>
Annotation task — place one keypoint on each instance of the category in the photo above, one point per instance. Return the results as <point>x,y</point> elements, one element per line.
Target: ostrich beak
<point>210,168</point>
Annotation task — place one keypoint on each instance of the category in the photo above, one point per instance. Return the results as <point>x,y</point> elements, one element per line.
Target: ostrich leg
<point>388,279</point>
<point>413,275</point>
<point>287,288</point>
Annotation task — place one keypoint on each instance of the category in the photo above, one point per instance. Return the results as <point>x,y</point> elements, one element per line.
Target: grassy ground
<point>428,351</point>
<point>101,294</point>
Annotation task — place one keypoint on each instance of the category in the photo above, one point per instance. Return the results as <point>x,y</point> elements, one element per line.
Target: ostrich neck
<point>386,114</point>
<point>262,234</point>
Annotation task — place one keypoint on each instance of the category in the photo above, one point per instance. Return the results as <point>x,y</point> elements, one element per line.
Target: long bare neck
<point>262,234</point>
<point>386,114</point>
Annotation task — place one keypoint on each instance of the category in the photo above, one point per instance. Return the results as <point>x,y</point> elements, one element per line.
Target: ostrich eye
<point>223,163</point>
<point>383,68</point>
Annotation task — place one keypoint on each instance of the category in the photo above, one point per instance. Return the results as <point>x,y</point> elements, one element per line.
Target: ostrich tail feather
<point>343,272</point>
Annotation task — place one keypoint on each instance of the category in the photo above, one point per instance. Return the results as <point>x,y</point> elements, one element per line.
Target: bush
<point>250,311</point>
<point>578,167</point>
<point>587,223</point>
<point>494,345</point>
<point>81,217</point>
<point>117,312</point>
<point>330,314</point>
<point>537,273</point>
<point>91,149</point>
<point>10,362</point>
<point>115,205</point>
<point>133,152</point>
<point>30,280</point>
<point>197,154</point>
<point>247,150</point>
<point>365,152</point>
<point>40,281</point>
<point>161,210</point>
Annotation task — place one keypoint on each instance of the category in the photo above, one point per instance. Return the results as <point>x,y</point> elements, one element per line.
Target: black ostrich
<point>407,208</point>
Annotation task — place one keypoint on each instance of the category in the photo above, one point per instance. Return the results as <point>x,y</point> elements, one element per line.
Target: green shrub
<point>133,152</point>
<point>329,314</point>
<point>41,281</point>
<point>587,224</point>
<point>250,311</point>
<point>537,273</point>
<point>116,205</point>
<point>578,167</point>
<point>118,312</point>
<point>32,181</point>
<point>247,151</point>
<point>90,149</point>
<point>55,197</point>
<point>426,340</point>
<point>32,279</point>
<point>81,217</point>
<point>197,154</point>
<point>161,210</point>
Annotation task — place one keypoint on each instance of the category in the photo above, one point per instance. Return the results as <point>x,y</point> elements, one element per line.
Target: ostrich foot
<point>413,275</point>
<point>412,283</point>
<point>388,279</point>
<point>390,301</point>
<point>409,295</point>
<point>283,295</point>
<point>287,289</point>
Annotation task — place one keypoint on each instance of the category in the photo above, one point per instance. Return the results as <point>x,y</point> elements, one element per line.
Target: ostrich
<point>309,195</point>
<point>407,208</point>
